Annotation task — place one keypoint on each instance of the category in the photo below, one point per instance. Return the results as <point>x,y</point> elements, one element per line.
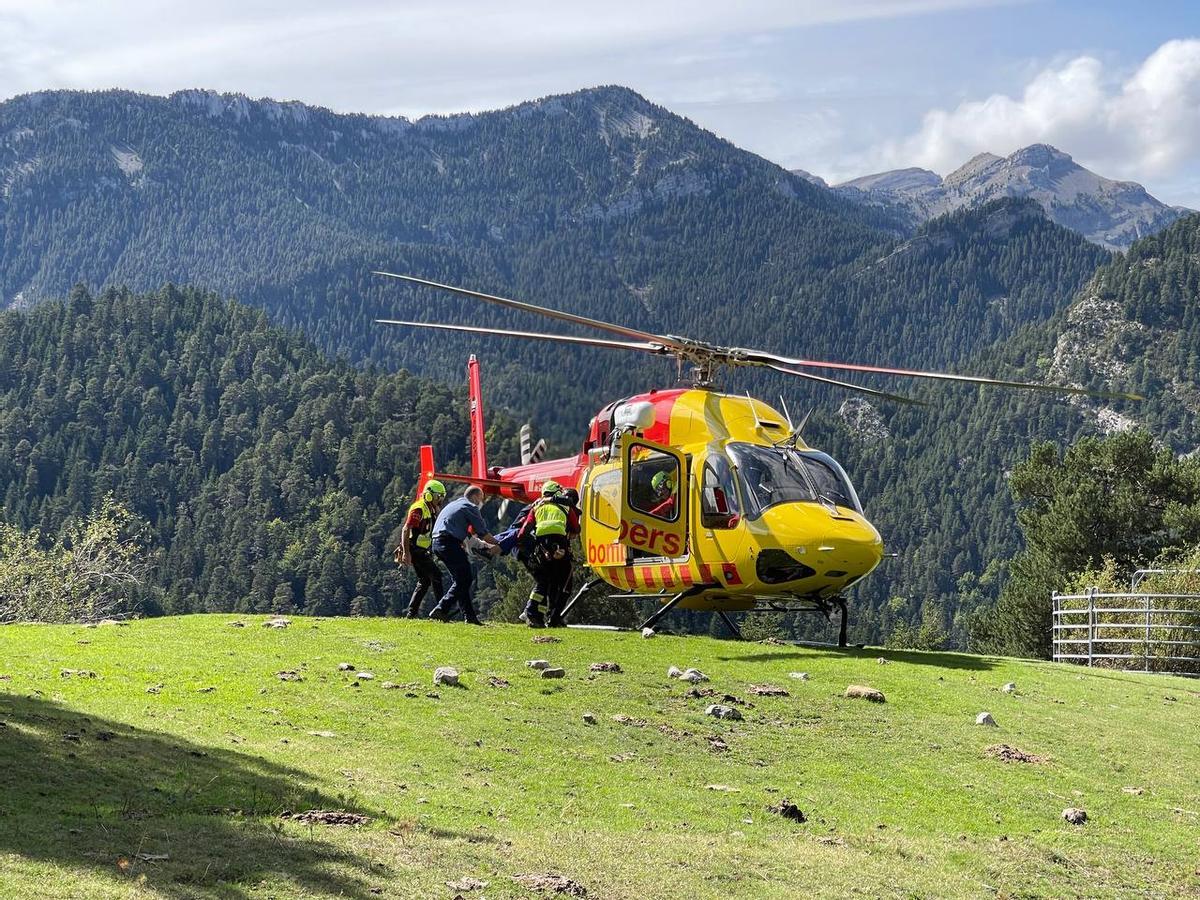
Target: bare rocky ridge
<point>1111,213</point>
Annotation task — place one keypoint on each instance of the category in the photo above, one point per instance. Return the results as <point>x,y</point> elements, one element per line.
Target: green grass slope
<point>186,744</point>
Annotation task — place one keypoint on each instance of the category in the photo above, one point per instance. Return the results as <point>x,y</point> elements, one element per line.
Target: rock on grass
<point>861,692</point>
<point>986,718</point>
<point>720,711</point>
<point>447,675</point>
<point>1074,815</point>
<point>466,883</point>
<point>787,810</point>
<point>554,672</point>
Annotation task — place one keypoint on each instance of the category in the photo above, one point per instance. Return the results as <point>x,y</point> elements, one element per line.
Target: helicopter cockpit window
<point>606,499</point>
<point>769,476</point>
<point>772,475</point>
<point>654,483</point>
<point>719,506</point>
<point>830,479</point>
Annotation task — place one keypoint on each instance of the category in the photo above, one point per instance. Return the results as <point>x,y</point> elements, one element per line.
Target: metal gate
<point>1137,631</point>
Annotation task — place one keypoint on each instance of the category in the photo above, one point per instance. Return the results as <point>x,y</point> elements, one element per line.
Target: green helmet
<point>659,481</point>
<point>435,488</point>
<point>551,489</point>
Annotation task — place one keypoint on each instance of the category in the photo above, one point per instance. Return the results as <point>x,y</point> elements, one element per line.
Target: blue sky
<point>837,87</point>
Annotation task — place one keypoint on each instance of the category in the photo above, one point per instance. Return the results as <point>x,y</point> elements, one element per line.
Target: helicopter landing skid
<point>730,624</point>
<point>673,602</point>
<point>825,607</point>
<point>587,586</point>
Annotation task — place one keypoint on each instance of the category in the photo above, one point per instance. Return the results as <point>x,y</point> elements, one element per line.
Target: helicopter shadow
<point>913,657</point>
<point>90,794</point>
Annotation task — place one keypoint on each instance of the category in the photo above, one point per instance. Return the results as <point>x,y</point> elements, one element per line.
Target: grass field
<point>168,772</point>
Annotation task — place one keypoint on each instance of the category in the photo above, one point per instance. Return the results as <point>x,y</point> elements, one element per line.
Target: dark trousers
<point>551,577</point>
<point>458,564</point>
<point>429,576</point>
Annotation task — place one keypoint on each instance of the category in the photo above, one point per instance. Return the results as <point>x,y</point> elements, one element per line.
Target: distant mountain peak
<point>973,166</point>
<point>1111,213</point>
<point>1037,155</point>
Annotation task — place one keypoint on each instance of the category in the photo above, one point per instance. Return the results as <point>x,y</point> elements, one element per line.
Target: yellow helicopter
<point>700,499</point>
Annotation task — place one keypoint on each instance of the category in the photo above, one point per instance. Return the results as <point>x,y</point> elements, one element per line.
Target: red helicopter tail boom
<point>522,483</point>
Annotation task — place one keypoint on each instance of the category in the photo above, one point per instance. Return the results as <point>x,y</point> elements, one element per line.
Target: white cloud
<point>1142,126</point>
<point>378,55</point>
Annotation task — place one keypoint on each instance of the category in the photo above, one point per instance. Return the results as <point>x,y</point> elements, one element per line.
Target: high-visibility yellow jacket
<point>549,519</point>
<point>422,532</point>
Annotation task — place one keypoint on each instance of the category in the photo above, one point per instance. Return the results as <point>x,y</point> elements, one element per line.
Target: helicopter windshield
<point>772,475</point>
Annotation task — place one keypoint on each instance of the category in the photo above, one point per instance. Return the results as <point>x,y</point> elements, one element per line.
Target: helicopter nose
<point>840,547</point>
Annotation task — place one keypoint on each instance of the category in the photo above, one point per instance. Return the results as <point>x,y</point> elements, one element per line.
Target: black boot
<point>532,616</point>
<point>438,614</point>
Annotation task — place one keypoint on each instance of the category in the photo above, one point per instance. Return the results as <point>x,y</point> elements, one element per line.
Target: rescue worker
<point>416,543</point>
<point>449,534</point>
<point>546,552</point>
<point>570,497</point>
<point>663,487</point>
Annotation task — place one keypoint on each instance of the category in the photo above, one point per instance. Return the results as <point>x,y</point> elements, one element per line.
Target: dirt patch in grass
<point>328,817</point>
<point>622,719</point>
<point>767,690</point>
<point>1005,753</point>
<point>549,883</point>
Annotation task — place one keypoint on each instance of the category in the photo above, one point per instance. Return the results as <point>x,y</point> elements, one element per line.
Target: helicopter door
<point>654,500</point>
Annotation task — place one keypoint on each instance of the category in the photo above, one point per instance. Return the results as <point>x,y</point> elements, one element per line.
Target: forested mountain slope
<point>936,481</point>
<point>271,478</point>
<point>597,201</point>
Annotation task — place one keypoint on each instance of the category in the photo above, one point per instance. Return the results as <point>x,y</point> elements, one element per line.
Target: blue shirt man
<point>456,516</point>
<point>449,532</point>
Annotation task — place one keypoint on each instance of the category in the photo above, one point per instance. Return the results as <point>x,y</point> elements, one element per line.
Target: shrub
<point>90,571</point>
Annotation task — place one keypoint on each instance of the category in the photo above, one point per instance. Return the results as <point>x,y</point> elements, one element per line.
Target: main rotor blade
<point>644,346</point>
<point>771,359</point>
<point>883,395</point>
<point>633,333</point>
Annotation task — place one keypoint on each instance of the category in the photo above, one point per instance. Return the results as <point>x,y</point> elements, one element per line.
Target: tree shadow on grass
<point>87,793</point>
<point>937,660</point>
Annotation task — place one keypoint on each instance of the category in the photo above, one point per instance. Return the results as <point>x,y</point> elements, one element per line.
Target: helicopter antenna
<point>804,421</point>
<point>786,413</point>
<point>750,400</point>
